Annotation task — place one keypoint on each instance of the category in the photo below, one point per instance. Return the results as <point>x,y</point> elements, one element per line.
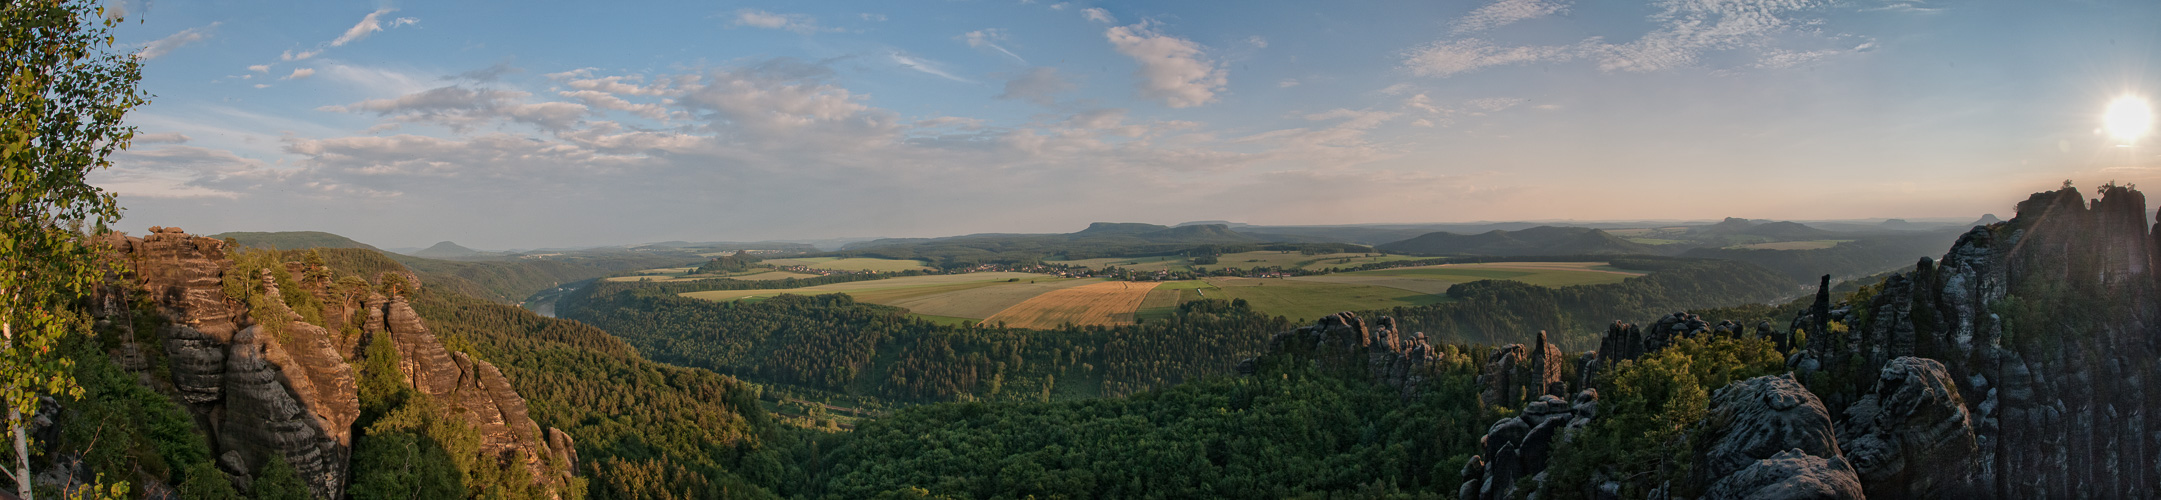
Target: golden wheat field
<point>1106,303</point>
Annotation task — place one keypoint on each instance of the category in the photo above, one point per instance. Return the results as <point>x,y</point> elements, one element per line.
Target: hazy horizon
<point>522,126</point>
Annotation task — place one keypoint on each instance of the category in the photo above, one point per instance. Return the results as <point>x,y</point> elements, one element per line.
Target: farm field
<point>1242,260</point>
<point>1156,263</point>
<point>1295,260</point>
<point>682,274</point>
<point>1099,303</point>
<point>969,300</point>
<point>863,287</point>
<point>1793,245</point>
<point>851,264</point>
<point>1554,274</point>
<point>1308,300</point>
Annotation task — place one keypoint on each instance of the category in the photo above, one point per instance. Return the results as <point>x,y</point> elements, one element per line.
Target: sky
<point>528,124</point>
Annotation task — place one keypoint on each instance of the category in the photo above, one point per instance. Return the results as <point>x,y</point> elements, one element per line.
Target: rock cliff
<point>265,383</point>
<point>2045,329</point>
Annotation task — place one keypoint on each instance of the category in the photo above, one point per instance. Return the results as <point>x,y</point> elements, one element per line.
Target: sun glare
<point>2128,118</point>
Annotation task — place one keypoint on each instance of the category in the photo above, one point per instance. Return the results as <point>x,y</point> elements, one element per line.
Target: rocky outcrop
<point>1341,344</point>
<point>1522,446</point>
<point>1788,475</point>
<point>473,388</point>
<point>1517,373</point>
<point>1910,435</point>
<point>2045,329</point>
<point>1763,419</point>
<point>264,383</point>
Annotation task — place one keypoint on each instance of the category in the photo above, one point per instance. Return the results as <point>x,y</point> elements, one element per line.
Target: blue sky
<point>530,124</point>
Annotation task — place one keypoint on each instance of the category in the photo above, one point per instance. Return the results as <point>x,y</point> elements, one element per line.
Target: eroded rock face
<point>1523,446</point>
<point>1910,436</point>
<point>1789,475</point>
<point>473,388</point>
<point>1756,419</point>
<point>266,385</point>
<point>2045,327</point>
<point>1517,373</point>
<point>1342,344</point>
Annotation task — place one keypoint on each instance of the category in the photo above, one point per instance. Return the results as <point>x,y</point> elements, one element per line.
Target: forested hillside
<point>833,343</point>
<point>1863,257</point>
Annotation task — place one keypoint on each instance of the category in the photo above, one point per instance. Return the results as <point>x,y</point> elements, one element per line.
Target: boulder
<point>1758,418</point>
<point>1911,436</point>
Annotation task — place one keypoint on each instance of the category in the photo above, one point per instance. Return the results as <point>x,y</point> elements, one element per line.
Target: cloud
<point>299,73</point>
<point>798,23</point>
<point>166,45</point>
<point>778,136</point>
<point>1914,7</point>
<point>924,66</point>
<point>1682,32</point>
<point>1038,85</point>
<point>876,18</point>
<point>1257,42</point>
<point>289,55</point>
<point>1504,12</point>
<point>1448,58</point>
<point>604,100</point>
<point>988,38</point>
<point>1096,14</point>
<point>161,138</point>
<point>1780,59</point>
<point>1287,83</point>
<point>260,68</point>
<point>1172,69</point>
<point>175,172</point>
<point>488,74</point>
<point>370,25</point>
<point>461,108</point>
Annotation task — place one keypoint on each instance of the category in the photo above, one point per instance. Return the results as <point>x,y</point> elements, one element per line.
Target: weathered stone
<point>1789,475</point>
<point>1911,435</point>
<point>1754,419</point>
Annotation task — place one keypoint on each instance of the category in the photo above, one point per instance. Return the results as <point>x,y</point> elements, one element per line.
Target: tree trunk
<point>15,427</point>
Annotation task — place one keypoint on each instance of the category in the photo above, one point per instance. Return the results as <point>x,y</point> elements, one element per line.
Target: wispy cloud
<point>1683,31</point>
<point>1503,12</point>
<point>1097,15</point>
<point>989,38</point>
<point>798,23</point>
<point>1039,85</point>
<point>1173,70</point>
<point>370,25</point>
<point>185,37</point>
<point>299,73</point>
<point>924,66</point>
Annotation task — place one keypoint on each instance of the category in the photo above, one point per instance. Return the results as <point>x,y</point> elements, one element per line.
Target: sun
<point>2128,118</point>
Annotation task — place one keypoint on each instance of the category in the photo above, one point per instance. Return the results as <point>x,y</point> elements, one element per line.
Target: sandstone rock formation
<point>1910,436</point>
<point>2045,328</point>
<point>1753,419</point>
<point>265,384</point>
<point>1516,373</point>
<point>1341,344</point>
<point>470,387</point>
<point>1522,446</point>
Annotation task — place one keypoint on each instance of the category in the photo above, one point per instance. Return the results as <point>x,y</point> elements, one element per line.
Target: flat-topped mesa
<point>1341,344</point>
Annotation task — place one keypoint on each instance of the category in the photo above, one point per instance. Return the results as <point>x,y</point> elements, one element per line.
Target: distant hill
<point>448,250</point>
<point>1101,239</point>
<point>1542,240</point>
<point>1109,228</point>
<point>1986,220</point>
<point>292,240</point>
<point>1779,230</point>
